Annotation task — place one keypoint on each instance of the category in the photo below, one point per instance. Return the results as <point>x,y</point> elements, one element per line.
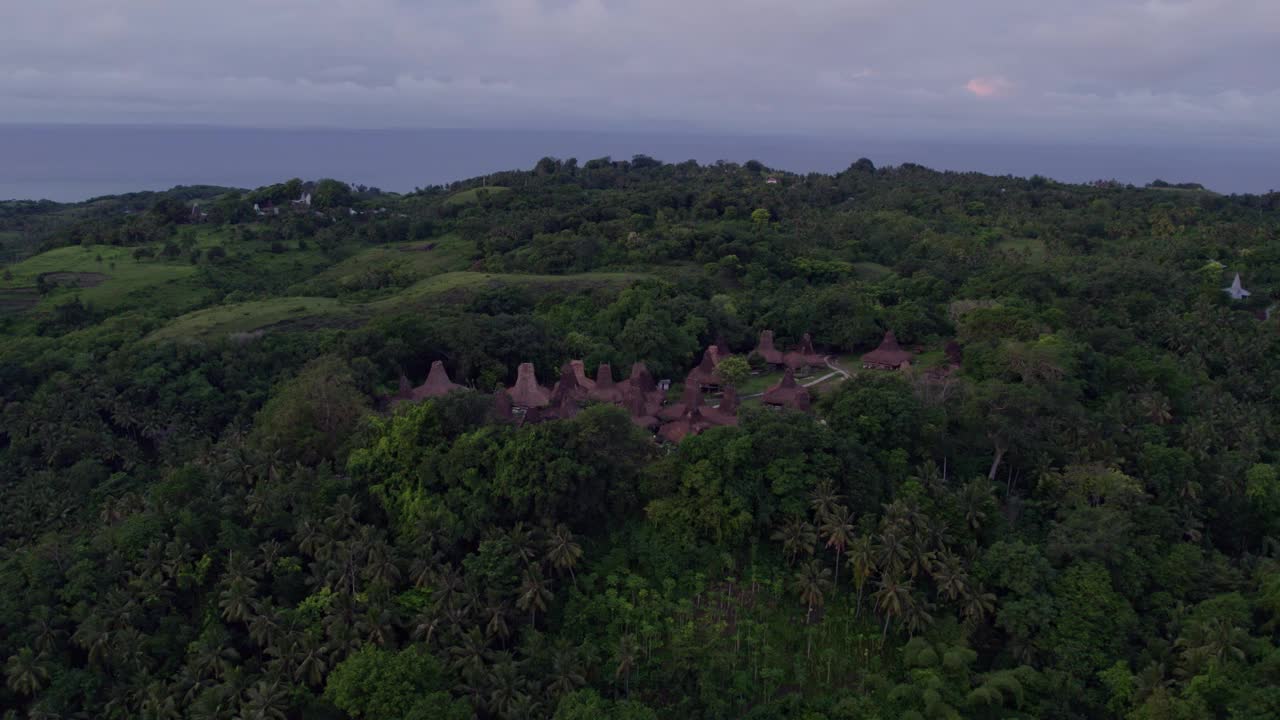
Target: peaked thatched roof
<point>705,373</point>
<point>811,356</point>
<point>795,361</point>
<point>726,413</point>
<point>437,383</point>
<point>568,387</point>
<point>502,407</point>
<point>888,355</point>
<point>605,390</point>
<point>580,372</point>
<point>641,379</point>
<point>690,423</point>
<point>691,398</point>
<point>527,393</point>
<point>787,393</point>
<point>638,408</point>
<point>765,348</point>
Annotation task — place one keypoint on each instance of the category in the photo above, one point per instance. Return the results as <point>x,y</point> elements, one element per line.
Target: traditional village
<point>706,400</point>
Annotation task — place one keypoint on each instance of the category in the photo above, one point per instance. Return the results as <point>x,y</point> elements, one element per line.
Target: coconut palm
<point>861,559</point>
<point>812,582</point>
<point>563,552</point>
<point>26,672</point>
<point>534,594</point>
<point>796,536</point>
<point>824,498</point>
<point>626,656</point>
<point>893,599</point>
<point>837,530</point>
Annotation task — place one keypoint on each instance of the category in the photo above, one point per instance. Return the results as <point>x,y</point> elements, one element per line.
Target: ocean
<point>75,162</point>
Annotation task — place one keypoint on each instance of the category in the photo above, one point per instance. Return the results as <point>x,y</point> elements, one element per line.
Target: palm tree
<point>893,599</point>
<point>824,498</point>
<point>312,662</point>
<point>534,595</point>
<point>812,582</point>
<point>265,700</point>
<point>562,551</point>
<point>235,599</point>
<point>566,670</point>
<point>26,672</point>
<point>507,686</point>
<point>626,657</point>
<point>796,535</point>
<point>470,653</point>
<point>949,576</point>
<point>838,531</point>
<point>524,543</point>
<point>862,562</point>
<point>496,612</point>
<point>1216,640</point>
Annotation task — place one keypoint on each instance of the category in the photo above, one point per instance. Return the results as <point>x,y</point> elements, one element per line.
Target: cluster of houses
<point>644,399</point>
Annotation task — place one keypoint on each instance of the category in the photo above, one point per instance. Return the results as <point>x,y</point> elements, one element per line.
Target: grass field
<point>248,317</point>
<point>1032,248</point>
<point>109,273</point>
<point>448,253</point>
<point>467,197</point>
<point>456,285</point>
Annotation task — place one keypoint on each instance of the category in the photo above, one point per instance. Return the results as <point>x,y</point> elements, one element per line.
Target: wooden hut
<point>604,389</point>
<point>437,383</point>
<point>766,350</point>
<point>690,423</point>
<point>889,356</point>
<point>691,398</point>
<point>580,372</point>
<point>810,355</point>
<point>726,413</point>
<point>638,408</point>
<point>527,393</point>
<point>643,383</point>
<point>704,375</point>
<point>568,386</point>
<point>787,393</point>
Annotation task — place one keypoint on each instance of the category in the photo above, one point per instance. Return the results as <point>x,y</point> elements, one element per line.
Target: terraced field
<point>102,275</point>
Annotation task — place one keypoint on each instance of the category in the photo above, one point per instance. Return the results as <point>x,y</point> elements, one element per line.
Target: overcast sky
<point>1203,71</point>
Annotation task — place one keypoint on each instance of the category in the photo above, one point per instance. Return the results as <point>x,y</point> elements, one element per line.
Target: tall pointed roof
<point>568,386</point>
<point>888,355</point>
<point>437,383</point>
<point>765,348</point>
<point>527,393</point>
<point>689,399</point>
<point>726,413</point>
<point>580,372</point>
<point>690,423</point>
<point>787,393</point>
<point>638,407</point>
<point>605,390</point>
<point>705,373</point>
<point>811,356</point>
<point>502,407</point>
<point>641,378</point>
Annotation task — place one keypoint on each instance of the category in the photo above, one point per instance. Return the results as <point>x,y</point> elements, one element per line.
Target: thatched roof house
<point>766,350</point>
<point>605,390</point>
<point>437,383</point>
<point>704,375</point>
<point>889,356</point>
<point>580,371</point>
<point>527,393</point>
<point>727,412</point>
<point>691,398</point>
<point>638,408</point>
<point>810,355</point>
<point>787,393</point>
<point>690,423</point>
<point>568,386</point>
<point>643,382</point>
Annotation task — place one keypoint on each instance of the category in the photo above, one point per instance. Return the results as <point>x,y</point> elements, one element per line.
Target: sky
<point>1197,72</point>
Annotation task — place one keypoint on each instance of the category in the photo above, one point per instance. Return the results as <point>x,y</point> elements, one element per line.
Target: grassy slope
<point>254,315</point>
<point>466,197</point>
<point>449,253</point>
<point>125,277</point>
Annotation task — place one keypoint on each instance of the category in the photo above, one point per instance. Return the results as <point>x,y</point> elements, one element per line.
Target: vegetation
<point>1068,508</point>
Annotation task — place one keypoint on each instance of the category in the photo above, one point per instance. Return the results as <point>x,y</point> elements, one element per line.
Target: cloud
<point>1127,68</point>
<point>989,86</point>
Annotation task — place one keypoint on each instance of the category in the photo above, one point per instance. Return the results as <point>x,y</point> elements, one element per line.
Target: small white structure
<point>304,199</point>
<point>1236,291</point>
<point>771,181</point>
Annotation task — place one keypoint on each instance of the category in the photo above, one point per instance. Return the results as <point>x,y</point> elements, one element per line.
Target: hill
<point>312,450</point>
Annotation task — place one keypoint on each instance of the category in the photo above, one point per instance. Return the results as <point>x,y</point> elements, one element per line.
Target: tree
<point>838,531</point>
<point>733,370</point>
<point>760,217</point>
<point>378,683</point>
<point>26,672</point>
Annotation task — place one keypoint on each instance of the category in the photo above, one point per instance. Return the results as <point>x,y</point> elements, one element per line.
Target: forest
<point>1067,505</point>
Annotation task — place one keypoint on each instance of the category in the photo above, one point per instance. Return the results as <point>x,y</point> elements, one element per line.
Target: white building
<point>1236,291</point>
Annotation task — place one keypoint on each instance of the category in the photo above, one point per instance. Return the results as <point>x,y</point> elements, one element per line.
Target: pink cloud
<point>989,86</point>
